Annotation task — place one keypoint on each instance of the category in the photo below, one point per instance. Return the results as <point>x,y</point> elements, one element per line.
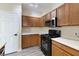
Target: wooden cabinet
<point>68,14</point>
<point>47,17</point>
<point>39,22</point>
<point>58,52</point>
<point>28,21</point>
<point>62,15</point>
<point>26,41</point>
<point>59,49</point>
<point>30,40</point>
<point>35,39</point>
<point>43,19</point>
<point>74,13</point>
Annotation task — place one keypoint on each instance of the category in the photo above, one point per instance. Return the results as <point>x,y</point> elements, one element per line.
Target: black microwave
<point>51,23</point>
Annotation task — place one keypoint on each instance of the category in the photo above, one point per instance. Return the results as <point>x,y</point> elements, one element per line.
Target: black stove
<point>46,44</point>
<point>46,41</point>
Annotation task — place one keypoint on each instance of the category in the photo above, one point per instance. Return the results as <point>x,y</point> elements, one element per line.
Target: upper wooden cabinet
<point>74,13</point>
<point>62,15</point>
<point>28,21</point>
<point>68,14</point>
<point>47,16</point>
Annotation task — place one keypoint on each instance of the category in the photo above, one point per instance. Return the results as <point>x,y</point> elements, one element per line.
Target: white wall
<point>37,30</point>
<point>69,32</point>
<point>5,10</point>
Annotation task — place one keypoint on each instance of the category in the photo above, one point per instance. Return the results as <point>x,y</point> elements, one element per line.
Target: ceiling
<point>39,9</point>
<point>9,6</point>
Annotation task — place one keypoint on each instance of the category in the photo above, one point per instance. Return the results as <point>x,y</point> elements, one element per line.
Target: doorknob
<point>15,34</point>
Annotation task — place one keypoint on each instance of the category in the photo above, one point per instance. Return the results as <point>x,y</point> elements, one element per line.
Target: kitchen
<point>44,29</point>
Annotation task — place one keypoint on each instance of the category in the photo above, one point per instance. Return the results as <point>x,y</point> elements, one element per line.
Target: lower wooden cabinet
<point>30,40</point>
<point>59,49</point>
<point>58,52</point>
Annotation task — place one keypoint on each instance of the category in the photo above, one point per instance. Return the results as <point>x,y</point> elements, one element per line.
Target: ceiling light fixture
<point>33,5</point>
<point>36,5</point>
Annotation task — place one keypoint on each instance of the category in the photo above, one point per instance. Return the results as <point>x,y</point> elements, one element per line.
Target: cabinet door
<point>56,51</point>
<point>47,16</point>
<point>38,22</point>
<point>63,15</point>
<point>44,19</point>
<point>74,14</point>
<point>26,41</point>
<point>34,40</point>
<point>65,21</point>
<point>60,15</point>
<point>30,40</point>
<point>27,21</point>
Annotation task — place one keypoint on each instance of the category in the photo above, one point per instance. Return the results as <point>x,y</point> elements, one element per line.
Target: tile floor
<point>32,51</point>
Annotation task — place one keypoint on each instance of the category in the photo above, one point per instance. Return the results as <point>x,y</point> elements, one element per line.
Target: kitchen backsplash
<point>35,29</point>
<point>69,32</point>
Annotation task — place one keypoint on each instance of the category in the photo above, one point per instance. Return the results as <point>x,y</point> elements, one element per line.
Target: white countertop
<point>71,43</point>
<point>33,33</point>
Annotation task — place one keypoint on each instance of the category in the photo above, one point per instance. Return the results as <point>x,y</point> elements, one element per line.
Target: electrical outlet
<point>77,34</point>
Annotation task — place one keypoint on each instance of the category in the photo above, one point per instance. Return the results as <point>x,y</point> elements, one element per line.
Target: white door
<point>11,27</point>
<point>10,30</point>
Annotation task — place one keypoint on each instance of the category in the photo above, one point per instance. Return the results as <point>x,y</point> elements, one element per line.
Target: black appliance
<point>46,44</point>
<point>46,41</point>
<point>54,33</point>
<point>51,23</point>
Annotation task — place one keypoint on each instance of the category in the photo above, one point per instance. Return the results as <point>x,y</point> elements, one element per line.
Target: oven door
<point>46,46</point>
